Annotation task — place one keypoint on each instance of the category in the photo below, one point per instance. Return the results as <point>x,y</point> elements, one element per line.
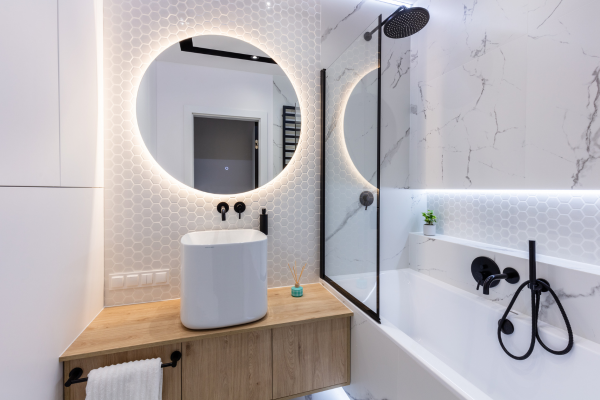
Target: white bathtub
<point>451,334</point>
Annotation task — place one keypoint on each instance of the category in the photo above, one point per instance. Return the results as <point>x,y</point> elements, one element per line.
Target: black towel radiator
<point>291,132</point>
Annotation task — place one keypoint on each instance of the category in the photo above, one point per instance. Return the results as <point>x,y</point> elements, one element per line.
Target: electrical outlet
<point>138,279</point>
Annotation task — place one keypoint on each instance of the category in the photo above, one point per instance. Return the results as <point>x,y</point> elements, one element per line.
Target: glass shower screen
<point>350,186</point>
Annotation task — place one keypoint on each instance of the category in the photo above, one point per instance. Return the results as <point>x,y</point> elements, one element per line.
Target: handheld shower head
<point>402,23</point>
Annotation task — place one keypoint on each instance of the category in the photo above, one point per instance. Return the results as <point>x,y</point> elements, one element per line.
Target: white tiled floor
<point>333,394</point>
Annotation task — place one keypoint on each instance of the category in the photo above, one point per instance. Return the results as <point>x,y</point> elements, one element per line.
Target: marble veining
<point>577,286</point>
<point>325,33</point>
<point>349,228</point>
<point>482,114</point>
<point>345,20</point>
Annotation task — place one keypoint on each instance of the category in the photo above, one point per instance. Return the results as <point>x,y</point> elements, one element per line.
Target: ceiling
<point>175,55</point>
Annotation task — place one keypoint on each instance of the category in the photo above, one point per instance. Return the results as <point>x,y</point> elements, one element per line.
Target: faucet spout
<point>490,279</point>
<point>222,208</point>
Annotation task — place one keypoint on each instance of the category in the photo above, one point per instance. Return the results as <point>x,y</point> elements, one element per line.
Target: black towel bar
<point>75,374</point>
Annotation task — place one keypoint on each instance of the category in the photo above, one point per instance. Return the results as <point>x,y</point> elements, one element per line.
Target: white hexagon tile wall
<point>146,210</point>
<point>564,224</point>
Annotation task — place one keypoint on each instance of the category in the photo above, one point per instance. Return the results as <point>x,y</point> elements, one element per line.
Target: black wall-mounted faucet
<point>487,274</point>
<point>223,208</point>
<point>510,274</point>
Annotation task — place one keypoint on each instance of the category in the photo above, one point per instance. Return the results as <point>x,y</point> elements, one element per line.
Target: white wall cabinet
<point>81,150</point>
<point>29,117</point>
<point>49,93</point>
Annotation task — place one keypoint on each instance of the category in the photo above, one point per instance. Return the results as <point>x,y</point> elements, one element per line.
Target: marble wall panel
<point>577,285</point>
<point>505,95</point>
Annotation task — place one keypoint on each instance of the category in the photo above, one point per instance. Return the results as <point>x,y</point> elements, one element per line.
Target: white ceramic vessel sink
<point>223,278</point>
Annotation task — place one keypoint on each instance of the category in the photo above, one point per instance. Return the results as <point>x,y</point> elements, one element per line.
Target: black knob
<point>366,199</point>
<point>512,275</point>
<point>481,268</point>
<point>239,208</point>
<point>507,328</point>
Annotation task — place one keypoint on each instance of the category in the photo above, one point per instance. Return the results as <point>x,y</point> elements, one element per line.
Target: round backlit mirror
<point>360,126</point>
<point>218,114</point>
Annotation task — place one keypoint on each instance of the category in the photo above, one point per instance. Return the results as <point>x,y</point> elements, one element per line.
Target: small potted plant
<point>429,227</point>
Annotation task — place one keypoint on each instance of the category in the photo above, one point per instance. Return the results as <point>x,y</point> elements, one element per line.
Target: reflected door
<point>225,158</point>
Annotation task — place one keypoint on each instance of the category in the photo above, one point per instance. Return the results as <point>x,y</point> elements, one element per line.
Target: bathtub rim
<point>439,370</point>
<point>450,378</point>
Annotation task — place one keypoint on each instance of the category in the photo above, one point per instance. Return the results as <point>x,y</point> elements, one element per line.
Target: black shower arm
<point>401,8</point>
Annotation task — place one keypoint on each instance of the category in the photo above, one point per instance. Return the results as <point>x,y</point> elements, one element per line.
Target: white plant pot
<point>429,230</point>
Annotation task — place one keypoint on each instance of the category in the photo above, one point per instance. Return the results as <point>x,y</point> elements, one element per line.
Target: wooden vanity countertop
<point>139,326</point>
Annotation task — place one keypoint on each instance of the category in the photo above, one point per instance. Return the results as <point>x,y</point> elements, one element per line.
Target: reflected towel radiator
<point>291,132</point>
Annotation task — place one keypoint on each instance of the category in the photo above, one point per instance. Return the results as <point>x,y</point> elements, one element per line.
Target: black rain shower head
<point>402,23</point>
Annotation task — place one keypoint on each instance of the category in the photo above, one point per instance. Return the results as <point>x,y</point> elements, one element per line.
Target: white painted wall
<point>51,239</point>
<point>52,272</point>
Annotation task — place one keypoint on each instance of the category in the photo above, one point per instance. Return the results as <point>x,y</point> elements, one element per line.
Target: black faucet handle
<point>480,283</point>
<point>239,208</point>
<point>481,268</point>
<point>512,275</point>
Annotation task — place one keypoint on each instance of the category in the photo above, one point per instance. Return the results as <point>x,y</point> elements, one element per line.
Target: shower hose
<point>535,306</point>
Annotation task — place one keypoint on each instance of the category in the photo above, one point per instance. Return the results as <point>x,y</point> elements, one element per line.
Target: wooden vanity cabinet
<point>280,363</point>
<point>301,346</point>
<point>311,357</point>
<point>228,367</point>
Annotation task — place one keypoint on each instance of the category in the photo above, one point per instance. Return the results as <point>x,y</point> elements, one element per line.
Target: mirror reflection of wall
<point>182,87</point>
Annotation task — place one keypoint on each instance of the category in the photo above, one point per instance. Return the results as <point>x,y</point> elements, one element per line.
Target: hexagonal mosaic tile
<point>146,210</point>
<point>564,224</point>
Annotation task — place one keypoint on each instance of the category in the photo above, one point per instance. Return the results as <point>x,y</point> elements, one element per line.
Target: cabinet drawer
<point>171,376</point>
<point>312,356</point>
<point>228,367</point>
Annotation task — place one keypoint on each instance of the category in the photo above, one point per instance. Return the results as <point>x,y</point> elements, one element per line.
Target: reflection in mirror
<point>218,114</point>
<point>360,126</point>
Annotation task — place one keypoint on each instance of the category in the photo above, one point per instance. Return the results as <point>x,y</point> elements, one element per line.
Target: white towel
<point>135,380</point>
